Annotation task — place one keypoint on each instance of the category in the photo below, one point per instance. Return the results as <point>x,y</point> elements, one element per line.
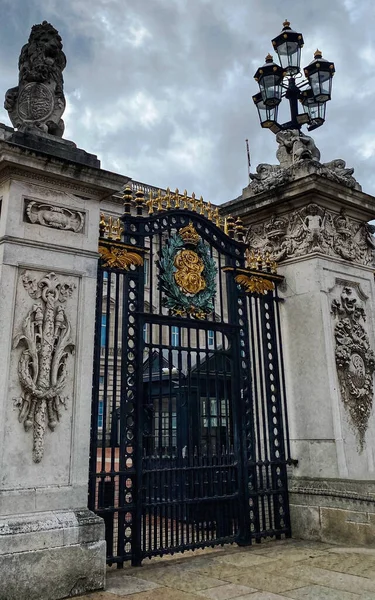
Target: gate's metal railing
<point>189,440</point>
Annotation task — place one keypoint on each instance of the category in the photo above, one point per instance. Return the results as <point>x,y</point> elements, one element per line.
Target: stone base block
<point>52,555</point>
<point>333,511</point>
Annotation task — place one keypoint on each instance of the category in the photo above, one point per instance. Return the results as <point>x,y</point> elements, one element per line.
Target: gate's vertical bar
<point>137,297</point>
<point>95,393</point>
<point>274,414</point>
<point>243,404</point>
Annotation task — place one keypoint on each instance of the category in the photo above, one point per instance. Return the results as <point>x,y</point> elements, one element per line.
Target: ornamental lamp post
<point>281,81</point>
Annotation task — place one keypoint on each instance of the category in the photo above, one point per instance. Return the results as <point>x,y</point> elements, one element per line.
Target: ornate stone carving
<point>295,146</point>
<point>42,367</point>
<point>298,157</point>
<point>38,102</point>
<point>55,216</point>
<point>355,360</point>
<point>314,229</point>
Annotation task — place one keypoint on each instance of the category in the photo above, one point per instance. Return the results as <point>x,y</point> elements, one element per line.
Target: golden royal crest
<point>189,272</point>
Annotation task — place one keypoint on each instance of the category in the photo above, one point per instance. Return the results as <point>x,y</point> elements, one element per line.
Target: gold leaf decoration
<point>255,285</point>
<point>189,268</point>
<point>189,234</point>
<point>119,258</point>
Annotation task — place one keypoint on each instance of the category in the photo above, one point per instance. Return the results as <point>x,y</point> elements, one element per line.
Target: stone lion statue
<point>38,102</point>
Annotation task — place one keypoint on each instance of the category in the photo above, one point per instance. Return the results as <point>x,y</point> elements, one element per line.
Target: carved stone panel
<point>314,229</point>
<point>57,217</point>
<point>44,343</point>
<point>355,359</point>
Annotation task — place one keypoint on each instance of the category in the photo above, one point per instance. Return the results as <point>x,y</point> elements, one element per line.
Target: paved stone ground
<point>269,571</point>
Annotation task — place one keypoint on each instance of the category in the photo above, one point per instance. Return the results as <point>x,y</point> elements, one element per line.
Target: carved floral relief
<point>56,217</point>
<point>46,340</point>
<point>314,229</point>
<point>355,360</point>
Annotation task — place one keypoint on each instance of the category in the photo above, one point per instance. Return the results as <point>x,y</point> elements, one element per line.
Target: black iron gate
<point>189,418</point>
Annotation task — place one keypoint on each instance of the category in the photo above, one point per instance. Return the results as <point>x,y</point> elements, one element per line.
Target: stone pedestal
<point>51,546</point>
<point>317,230</point>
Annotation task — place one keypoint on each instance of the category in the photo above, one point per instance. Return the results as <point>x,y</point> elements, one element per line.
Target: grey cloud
<point>161,89</point>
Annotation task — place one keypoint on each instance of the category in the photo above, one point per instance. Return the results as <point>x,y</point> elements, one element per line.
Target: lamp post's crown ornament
<point>37,103</point>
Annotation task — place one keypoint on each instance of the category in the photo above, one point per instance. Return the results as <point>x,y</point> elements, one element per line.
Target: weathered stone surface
<point>52,573</point>
<point>49,145</point>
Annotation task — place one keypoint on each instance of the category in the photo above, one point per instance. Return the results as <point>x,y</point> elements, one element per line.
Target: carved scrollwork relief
<point>355,360</point>
<point>46,339</point>
<point>314,229</point>
<point>56,217</point>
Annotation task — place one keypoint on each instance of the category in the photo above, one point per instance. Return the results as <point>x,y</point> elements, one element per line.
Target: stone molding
<point>14,172</point>
<point>8,239</point>
<point>340,489</point>
<point>47,340</point>
<point>56,217</point>
<point>314,229</point>
<point>355,359</point>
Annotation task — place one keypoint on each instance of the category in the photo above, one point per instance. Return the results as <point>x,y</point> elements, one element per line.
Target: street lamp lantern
<point>267,114</point>
<point>288,46</point>
<point>270,78</point>
<point>315,110</point>
<point>284,81</point>
<point>319,73</point>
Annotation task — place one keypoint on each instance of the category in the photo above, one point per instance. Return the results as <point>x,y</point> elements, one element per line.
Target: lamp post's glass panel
<point>290,54</point>
<point>267,114</point>
<point>321,82</point>
<point>314,109</point>
<point>270,90</point>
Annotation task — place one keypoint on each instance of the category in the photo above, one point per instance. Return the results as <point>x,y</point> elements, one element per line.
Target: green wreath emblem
<point>176,299</point>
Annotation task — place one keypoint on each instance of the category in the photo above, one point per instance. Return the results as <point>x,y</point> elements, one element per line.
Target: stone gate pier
<point>51,546</point>
<point>313,219</point>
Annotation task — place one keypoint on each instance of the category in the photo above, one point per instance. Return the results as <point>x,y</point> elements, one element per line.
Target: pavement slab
<point>282,570</point>
<point>226,592</point>
<point>318,592</point>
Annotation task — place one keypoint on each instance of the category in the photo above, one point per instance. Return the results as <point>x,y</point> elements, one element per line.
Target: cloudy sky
<point>162,90</point>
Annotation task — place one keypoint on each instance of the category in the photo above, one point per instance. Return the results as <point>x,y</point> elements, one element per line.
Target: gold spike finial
<point>159,200</point>
<point>168,199</point>
<point>150,203</point>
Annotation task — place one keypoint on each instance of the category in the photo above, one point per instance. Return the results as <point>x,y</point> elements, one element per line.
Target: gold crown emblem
<point>189,235</point>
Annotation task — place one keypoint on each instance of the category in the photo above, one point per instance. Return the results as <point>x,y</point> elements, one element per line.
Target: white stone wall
<point>322,436</point>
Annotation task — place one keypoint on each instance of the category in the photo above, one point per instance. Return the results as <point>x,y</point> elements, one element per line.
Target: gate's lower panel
<point>189,505</point>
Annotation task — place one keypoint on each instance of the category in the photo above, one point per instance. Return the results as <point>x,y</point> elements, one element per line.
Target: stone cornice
<point>7,239</point>
<point>22,163</point>
<point>289,196</point>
